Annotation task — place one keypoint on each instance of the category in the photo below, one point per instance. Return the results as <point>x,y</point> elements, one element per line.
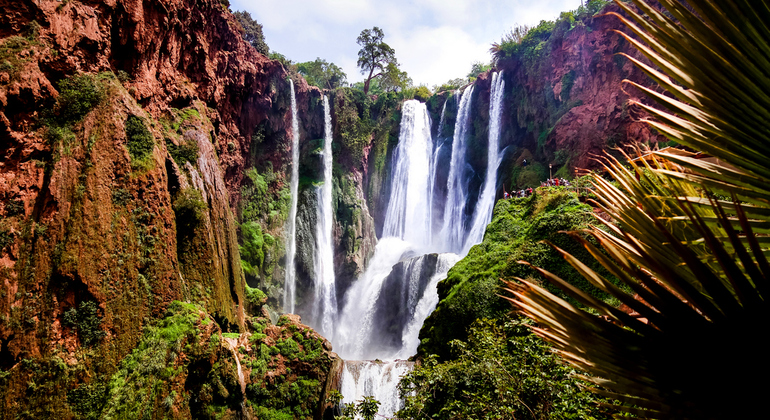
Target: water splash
<point>426,305</point>
<point>351,337</point>
<point>486,204</point>
<point>378,379</point>
<point>289,289</point>
<point>453,226</point>
<point>408,215</point>
<point>325,290</point>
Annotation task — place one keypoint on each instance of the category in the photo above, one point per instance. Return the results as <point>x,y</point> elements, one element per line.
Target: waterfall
<point>437,208</point>
<point>382,312</point>
<point>325,290</point>
<point>380,379</point>
<point>289,289</point>
<point>408,215</point>
<point>453,227</point>
<point>426,305</point>
<point>351,339</point>
<point>486,204</point>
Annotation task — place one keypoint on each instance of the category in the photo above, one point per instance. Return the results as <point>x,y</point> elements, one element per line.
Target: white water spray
<point>453,227</point>
<point>325,291</point>
<point>289,289</point>
<point>409,210</point>
<point>486,204</point>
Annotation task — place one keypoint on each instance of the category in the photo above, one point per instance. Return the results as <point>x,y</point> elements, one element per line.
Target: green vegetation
<point>502,371</point>
<point>529,43</point>
<point>190,209</point>
<point>689,254</point>
<point>78,95</point>
<point>518,226</point>
<point>86,321</point>
<point>322,74</point>
<point>252,31</point>
<point>139,140</point>
<point>374,55</point>
<point>186,152</point>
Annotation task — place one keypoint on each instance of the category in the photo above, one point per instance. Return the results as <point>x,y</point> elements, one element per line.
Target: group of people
<point>555,182</point>
<point>518,194</point>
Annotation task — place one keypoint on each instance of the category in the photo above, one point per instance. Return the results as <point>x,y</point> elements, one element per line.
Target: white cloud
<point>435,40</point>
<point>434,55</point>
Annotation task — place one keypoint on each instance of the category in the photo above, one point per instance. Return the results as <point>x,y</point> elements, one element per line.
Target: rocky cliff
<point>126,132</point>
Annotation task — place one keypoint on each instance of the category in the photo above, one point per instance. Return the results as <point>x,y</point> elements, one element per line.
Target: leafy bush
<point>78,95</point>
<point>6,238</point>
<point>422,93</point>
<point>516,232</point>
<point>502,371</point>
<point>252,32</point>
<point>189,208</point>
<point>86,321</point>
<point>87,400</point>
<point>139,140</point>
<point>186,152</point>
<point>14,207</point>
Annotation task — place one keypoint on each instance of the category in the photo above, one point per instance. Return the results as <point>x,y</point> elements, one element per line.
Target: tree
<point>252,32</point>
<point>476,69</point>
<point>322,74</point>
<point>393,79</point>
<point>374,55</point>
<point>692,252</point>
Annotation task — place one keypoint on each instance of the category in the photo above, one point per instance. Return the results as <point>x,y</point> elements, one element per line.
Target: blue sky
<point>435,40</point>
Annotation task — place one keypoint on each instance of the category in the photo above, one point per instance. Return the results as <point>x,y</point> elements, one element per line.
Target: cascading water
<point>453,226</point>
<point>385,308</point>
<point>325,291</point>
<point>484,207</point>
<point>407,234</point>
<point>409,210</point>
<point>289,288</point>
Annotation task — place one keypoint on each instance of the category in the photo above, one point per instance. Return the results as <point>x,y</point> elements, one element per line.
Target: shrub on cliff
<point>86,321</point>
<point>518,226</point>
<point>189,209</point>
<point>502,371</point>
<point>139,140</point>
<point>78,95</point>
<point>252,32</point>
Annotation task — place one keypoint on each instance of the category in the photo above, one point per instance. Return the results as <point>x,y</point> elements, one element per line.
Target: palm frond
<point>694,266</point>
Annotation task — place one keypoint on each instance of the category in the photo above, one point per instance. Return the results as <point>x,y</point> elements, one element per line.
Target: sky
<point>434,40</point>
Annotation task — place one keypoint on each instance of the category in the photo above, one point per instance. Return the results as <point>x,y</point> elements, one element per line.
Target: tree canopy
<point>374,55</point>
<point>322,74</point>
<point>252,31</point>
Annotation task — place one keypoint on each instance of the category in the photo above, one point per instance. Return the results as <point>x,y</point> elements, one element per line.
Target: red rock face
<point>586,60</point>
<point>70,239</point>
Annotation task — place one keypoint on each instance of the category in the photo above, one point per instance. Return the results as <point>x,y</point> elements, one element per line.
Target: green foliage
<point>139,140</point>
<point>354,123</point>
<point>189,208</point>
<point>86,321</point>
<point>88,400</point>
<point>121,197</point>
<point>502,371</point>
<point>393,79</point>
<point>78,95</point>
<point>150,368</point>
<point>422,93</point>
<point>476,69</point>
<point>322,74</point>
<point>374,55</point>
<point>14,207</point>
<point>6,238</point>
<point>255,297</point>
<point>252,31</point>
<point>566,85</point>
<point>185,152</point>
<point>518,226</point>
